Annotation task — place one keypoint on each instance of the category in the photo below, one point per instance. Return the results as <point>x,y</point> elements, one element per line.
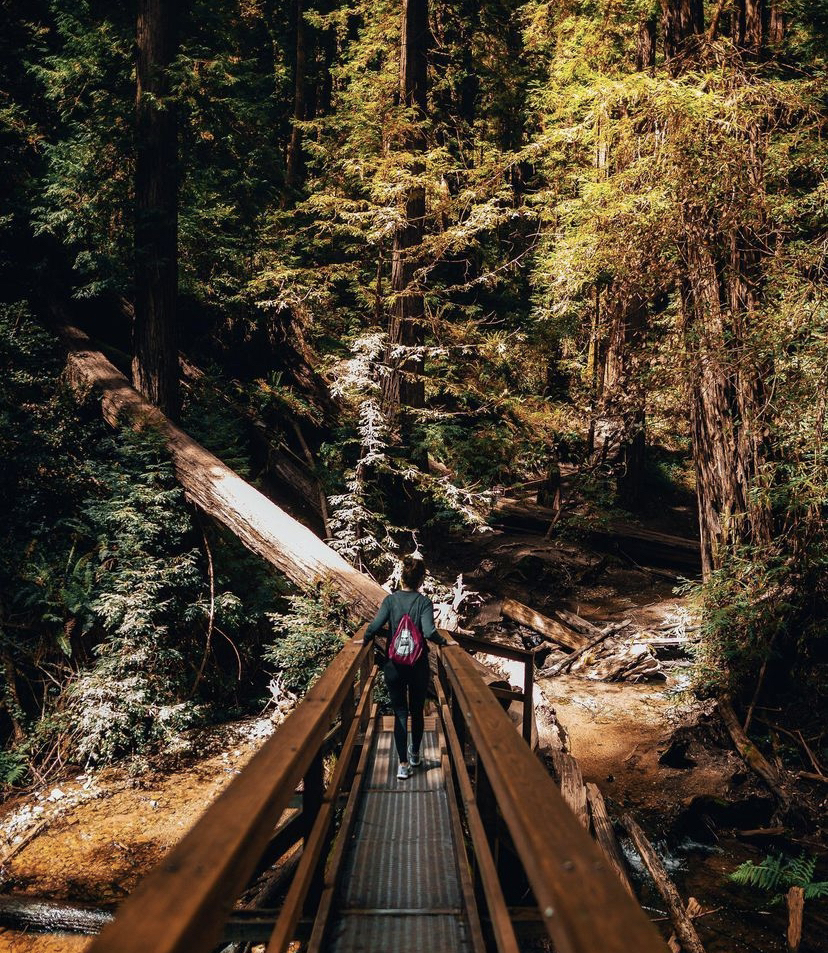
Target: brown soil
<point>104,834</point>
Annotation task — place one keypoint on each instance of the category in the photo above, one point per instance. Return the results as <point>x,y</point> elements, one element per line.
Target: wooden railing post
<point>528,703</point>
<point>487,806</point>
<point>313,790</point>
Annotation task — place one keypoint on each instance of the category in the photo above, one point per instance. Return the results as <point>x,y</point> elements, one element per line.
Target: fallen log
<point>693,910</point>
<point>258,522</point>
<point>262,526</point>
<point>751,755</point>
<point>633,662</point>
<point>48,916</point>
<point>41,915</point>
<point>605,835</point>
<point>571,783</point>
<point>549,628</point>
<point>647,547</point>
<point>573,621</point>
<point>685,930</point>
<point>570,660</point>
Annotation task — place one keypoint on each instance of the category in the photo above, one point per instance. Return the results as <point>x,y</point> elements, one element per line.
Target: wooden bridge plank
<point>579,898</point>
<point>315,844</point>
<point>182,905</point>
<point>498,912</point>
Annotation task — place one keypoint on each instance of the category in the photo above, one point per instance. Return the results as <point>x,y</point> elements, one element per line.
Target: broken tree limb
<point>605,835</point>
<point>685,930</point>
<point>751,755</point>
<point>569,661</point>
<point>550,628</point>
<point>796,908</point>
<point>576,623</point>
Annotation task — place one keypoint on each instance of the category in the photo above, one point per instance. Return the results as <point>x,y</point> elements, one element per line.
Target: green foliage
<point>13,768</point>
<point>777,873</point>
<point>310,634</point>
<point>146,593</point>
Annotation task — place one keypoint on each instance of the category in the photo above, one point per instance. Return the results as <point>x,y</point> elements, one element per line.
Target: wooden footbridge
<point>474,852</point>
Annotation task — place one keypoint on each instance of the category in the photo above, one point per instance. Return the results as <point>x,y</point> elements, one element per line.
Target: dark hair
<point>413,572</point>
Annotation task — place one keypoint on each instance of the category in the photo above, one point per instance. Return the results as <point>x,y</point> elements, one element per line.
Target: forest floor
<point>650,746</point>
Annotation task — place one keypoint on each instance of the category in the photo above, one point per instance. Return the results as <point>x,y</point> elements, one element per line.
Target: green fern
<point>777,873</point>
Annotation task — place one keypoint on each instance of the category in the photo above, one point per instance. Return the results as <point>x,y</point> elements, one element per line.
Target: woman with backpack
<point>409,618</point>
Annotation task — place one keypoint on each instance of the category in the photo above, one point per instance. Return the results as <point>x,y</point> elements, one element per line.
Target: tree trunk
<point>726,405</point>
<point>777,23</point>
<point>294,151</point>
<point>618,431</point>
<point>687,934</point>
<point>261,525</point>
<point>753,26</point>
<point>645,52</point>
<point>155,351</point>
<point>681,19</point>
<point>405,386</point>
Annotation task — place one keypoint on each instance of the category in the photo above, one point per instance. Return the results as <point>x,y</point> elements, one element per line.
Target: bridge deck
<point>400,890</point>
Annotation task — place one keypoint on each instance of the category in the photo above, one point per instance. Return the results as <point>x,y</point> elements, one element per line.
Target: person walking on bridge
<point>407,684</point>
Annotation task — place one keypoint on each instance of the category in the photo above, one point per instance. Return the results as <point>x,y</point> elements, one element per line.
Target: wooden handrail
<point>527,656</point>
<point>582,903</point>
<point>182,905</point>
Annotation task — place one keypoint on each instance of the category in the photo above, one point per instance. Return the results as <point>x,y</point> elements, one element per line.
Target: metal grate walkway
<point>400,891</point>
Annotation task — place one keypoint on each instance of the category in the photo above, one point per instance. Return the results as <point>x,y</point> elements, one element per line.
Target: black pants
<point>407,687</point>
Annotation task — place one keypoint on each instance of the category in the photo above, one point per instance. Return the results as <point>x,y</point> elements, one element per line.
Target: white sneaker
<point>404,772</point>
<point>413,757</point>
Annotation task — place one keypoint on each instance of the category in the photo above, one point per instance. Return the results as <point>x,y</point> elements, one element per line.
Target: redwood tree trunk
<point>645,52</point>
<point>618,430</point>
<point>681,20</point>
<point>294,152</point>
<point>726,407</point>
<point>405,386</point>
<point>155,349</point>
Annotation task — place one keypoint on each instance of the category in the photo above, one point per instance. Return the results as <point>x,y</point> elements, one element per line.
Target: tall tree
<point>405,386</point>
<point>155,350</point>
<point>294,150</point>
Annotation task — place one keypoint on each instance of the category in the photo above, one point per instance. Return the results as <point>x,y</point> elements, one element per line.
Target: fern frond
<point>799,871</point>
<point>764,876</point>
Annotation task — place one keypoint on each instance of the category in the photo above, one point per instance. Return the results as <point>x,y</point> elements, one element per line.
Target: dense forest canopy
<point>427,249</point>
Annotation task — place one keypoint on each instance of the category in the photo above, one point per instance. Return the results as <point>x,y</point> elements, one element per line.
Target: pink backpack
<point>407,644</point>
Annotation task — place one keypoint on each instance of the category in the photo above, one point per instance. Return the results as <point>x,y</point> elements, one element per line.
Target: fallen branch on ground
<point>684,928</point>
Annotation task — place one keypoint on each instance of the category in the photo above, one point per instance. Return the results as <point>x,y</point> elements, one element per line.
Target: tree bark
<point>796,908</point>
<point>645,52</point>
<point>405,386</point>
<point>618,430</point>
<point>220,492</point>
<point>605,835</point>
<point>751,755</point>
<point>726,403</point>
<point>550,628</point>
<point>294,151</point>
<point>777,23</point>
<point>681,20</point>
<point>687,934</point>
<point>155,351</point>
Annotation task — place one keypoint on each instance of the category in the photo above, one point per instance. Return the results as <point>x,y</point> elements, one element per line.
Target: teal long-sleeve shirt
<point>419,607</point>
